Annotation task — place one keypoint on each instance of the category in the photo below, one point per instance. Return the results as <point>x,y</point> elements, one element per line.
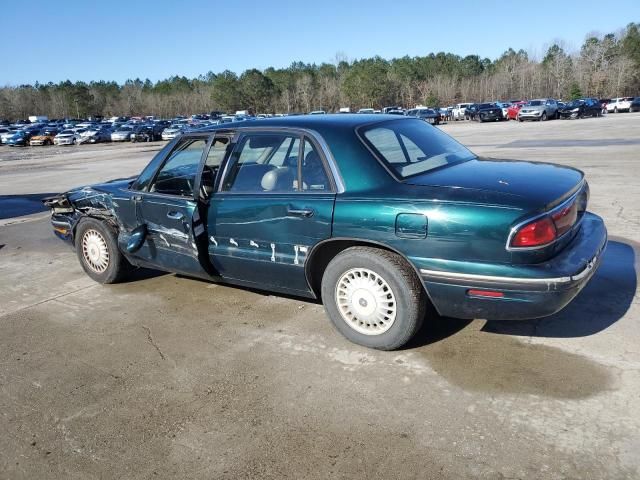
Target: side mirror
<point>137,238</point>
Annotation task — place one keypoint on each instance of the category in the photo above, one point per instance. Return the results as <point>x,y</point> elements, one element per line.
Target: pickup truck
<point>385,218</point>
<point>458,112</point>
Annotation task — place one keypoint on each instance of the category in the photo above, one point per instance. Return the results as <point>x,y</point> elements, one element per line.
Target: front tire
<point>373,297</point>
<point>544,116</point>
<point>98,252</point>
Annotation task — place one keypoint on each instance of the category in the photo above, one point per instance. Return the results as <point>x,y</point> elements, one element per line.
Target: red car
<point>512,111</point>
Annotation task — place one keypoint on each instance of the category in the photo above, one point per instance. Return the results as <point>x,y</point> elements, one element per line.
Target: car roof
<point>320,123</point>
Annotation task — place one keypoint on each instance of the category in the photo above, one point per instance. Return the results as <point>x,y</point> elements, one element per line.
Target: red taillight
<point>535,234</point>
<point>565,219</point>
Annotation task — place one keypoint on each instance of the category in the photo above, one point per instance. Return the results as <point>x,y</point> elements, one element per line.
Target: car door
<point>274,203</point>
<point>169,209</point>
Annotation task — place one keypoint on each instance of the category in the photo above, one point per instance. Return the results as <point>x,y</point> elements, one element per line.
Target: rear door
<point>274,203</point>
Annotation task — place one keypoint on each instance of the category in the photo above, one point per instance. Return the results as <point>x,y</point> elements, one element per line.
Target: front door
<point>170,211</point>
<point>274,203</point>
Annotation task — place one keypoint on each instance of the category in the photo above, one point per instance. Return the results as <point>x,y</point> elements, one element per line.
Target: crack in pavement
<point>152,342</point>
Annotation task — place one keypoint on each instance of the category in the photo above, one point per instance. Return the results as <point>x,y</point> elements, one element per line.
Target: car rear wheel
<point>373,297</point>
<point>97,250</point>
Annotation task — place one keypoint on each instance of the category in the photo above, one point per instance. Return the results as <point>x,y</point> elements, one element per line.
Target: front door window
<point>177,175</point>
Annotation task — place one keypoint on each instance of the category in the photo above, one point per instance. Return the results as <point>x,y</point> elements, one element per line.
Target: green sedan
<point>386,219</point>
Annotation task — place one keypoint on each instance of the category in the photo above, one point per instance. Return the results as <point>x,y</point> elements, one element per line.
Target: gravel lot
<point>169,377</point>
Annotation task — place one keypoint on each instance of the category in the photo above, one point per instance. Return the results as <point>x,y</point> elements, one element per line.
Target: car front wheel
<point>97,250</point>
<point>373,297</point>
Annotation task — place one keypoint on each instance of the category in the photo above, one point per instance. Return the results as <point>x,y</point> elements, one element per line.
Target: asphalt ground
<point>170,377</point>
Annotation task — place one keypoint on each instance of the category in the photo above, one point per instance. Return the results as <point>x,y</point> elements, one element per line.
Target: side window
<point>212,163</point>
<point>217,152</point>
<point>177,175</point>
<point>314,176</point>
<point>263,162</point>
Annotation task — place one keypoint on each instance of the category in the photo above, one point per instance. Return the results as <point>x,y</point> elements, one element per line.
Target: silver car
<point>540,109</point>
<point>68,137</point>
<point>172,131</point>
<point>123,134</point>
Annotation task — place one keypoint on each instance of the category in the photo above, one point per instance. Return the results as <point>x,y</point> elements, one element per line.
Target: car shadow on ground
<point>604,300</point>
<point>18,205</point>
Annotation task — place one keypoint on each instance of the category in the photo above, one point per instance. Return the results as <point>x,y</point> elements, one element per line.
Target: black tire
<point>543,118</point>
<point>117,268</point>
<point>520,120</point>
<point>389,269</point>
<point>615,109</point>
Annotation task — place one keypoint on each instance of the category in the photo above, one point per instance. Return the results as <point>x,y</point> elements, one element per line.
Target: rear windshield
<point>411,147</point>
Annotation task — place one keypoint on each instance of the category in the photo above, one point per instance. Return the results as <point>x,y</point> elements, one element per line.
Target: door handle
<point>173,215</point>
<point>300,212</point>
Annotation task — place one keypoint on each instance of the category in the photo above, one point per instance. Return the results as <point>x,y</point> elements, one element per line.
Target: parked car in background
<point>68,137</point>
<point>173,131</point>
<point>471,111</point>
<point>19,138</point>
<point>429,115</point>
<point>514,109</point>
<point>6,132</point>
<point>603,104</point>
<point>488,112</point>
<point>620,104</point>
<point>145,133</point>
<point>44,137</point>
<point>540,109</point>
<point>504,106</point>
<point>445,113</point>
<point>315,112</point>
<point>459,111</point>
<point>122,134</point>
<point>367,110</point>
<point>635,105</point>
<point>96,134</point>
<point>580,108</point>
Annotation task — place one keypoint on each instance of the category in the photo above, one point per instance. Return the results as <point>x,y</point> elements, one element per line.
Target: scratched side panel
<point>253,237</point>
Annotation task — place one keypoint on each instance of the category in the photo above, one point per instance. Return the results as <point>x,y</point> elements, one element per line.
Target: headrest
<point>273,179</point>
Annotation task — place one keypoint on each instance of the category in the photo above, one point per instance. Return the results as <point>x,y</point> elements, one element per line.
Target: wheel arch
<point>323,252</point>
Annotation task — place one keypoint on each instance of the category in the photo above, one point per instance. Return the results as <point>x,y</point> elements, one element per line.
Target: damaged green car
<point>381,217</point>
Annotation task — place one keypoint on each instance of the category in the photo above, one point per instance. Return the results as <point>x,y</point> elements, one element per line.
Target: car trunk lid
<point>530,186</point>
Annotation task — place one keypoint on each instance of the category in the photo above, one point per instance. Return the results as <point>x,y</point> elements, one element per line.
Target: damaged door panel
<point>275,203</point>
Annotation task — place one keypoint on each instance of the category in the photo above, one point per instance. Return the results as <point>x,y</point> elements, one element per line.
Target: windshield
<point>535,103</point>
<point>125,129</point>
<point>66,132</point>
<point>486,105</point>
<point>411,147</point>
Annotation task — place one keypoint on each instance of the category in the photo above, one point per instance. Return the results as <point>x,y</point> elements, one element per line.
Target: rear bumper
<point>529,291</point>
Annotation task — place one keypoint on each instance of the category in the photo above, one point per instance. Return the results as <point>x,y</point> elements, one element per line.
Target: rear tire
<point>373,297</point>
<point>98,252</point>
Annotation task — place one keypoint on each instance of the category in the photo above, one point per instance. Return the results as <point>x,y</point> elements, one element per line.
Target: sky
<point>116,40</point>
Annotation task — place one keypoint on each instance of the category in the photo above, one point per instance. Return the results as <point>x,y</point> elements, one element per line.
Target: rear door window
<point>263,162</point>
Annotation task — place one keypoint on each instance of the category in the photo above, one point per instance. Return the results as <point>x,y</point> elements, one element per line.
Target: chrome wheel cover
<point>95,251</point>
<point>365,301</point>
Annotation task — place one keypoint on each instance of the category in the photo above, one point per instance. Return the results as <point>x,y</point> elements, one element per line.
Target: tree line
<point>605,66</point>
